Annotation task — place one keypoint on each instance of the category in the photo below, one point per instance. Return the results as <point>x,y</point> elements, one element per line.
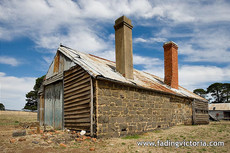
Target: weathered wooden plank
<point>79,120</point>
<point>76,83</point>
<point>200,109</point>
<point>193,113</point>
<point>82,85</point>
<point>71,71</point>
<point>86,115</point>
<point>80,89</point>
<point>77,100</point>
<point>79,75</point>
<point>91,107</point>
<point>74,75</point>
<point>79,128</point>
<point>87,93</point>
<point>201,106</point>
<point>77,104</point>
<point>78,124</point>
<point>76,80</point>
<point>83,111</point>
<point>77,108</point>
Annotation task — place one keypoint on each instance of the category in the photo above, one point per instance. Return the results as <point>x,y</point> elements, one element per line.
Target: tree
<point>2,107</point>
<point>226,92</point>
<point>216,91</point>
<point>32,96</point>
<point>200,92</point>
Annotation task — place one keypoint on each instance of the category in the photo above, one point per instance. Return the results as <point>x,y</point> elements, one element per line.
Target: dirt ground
<point>68,141</point>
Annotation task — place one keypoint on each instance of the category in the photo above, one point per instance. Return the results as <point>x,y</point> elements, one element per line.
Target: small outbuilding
<point>219,111</point>
<point>110,99</point>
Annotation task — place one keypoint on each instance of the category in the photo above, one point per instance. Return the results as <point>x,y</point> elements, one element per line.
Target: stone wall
<point>123,110</point>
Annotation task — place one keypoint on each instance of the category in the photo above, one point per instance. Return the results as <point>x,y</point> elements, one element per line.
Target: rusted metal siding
<point>59,64</point>
<point>53,105</point>
<point>77,98</point>
<point>56,63</point>
<point>200,112</point>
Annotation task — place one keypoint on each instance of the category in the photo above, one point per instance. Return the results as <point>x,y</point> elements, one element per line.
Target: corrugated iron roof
<point>97,66</point>
<point>220,106</point>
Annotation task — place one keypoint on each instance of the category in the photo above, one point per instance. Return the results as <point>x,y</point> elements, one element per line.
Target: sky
<point>31,32</point>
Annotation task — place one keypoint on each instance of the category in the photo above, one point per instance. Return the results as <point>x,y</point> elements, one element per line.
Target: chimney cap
<point>170,43</point>
<point>123,19</point>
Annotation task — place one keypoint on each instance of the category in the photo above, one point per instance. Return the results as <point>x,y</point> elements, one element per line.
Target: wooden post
<point>193,113</point>
<point>91,108</point>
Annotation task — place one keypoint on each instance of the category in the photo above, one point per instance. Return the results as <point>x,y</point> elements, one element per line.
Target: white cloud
<point>9,61</point>
<point>192,77</point>
<point>202,76</point>
<point>149,40</point>
<point>207,45</point>
<point>82,25</point>
<point>146,61</point>
<point>13,90</point>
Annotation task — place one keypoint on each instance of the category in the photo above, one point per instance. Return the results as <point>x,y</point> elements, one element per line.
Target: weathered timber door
<point>54,105</point>
<point>200,112</point>
<point>77,99</point>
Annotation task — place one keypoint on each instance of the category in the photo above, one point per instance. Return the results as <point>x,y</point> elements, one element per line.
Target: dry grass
<point>215,131</point>
<point>15,117</point>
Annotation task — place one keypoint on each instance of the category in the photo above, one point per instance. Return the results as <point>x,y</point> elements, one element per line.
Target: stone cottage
<point>110,99</point>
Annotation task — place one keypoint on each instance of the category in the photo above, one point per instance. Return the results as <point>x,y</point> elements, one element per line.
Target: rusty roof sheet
<point>97,66</point>
<point>219,106</point>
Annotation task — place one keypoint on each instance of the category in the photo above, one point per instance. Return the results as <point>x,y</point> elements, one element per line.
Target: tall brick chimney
<point>171,64</point>
<point>123,45</point>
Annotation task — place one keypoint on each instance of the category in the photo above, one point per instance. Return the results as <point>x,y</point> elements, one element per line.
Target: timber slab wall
<point>77,97</point>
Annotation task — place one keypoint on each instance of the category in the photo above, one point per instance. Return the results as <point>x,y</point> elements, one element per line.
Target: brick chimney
<point>171,64</point>
<point>123,45</point>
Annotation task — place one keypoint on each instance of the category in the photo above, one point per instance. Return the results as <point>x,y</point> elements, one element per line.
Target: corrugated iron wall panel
<point>77,92</point>
<point>53,105</point>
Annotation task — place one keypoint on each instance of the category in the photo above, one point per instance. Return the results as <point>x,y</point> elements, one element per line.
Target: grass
<point>215,131</point>
<point>157,131</point>
<point>15,117</point>
<point>132,137</point>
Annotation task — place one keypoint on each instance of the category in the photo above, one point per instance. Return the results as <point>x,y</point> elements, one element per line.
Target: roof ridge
<point>101,58</point>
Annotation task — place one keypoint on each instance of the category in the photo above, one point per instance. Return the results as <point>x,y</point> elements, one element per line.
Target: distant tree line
<point>219,92</point>
<point>32,96</point>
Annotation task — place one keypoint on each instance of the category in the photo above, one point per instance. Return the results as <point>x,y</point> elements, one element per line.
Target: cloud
<point>202,76</point>
<point>146,61</point>
<point>200,28</point>
<point>207,45</point>
<point>192,77</point>
<point>81,24</point>
<point>149,40</point>
<point>13,90</point>
<point>9,61</point>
